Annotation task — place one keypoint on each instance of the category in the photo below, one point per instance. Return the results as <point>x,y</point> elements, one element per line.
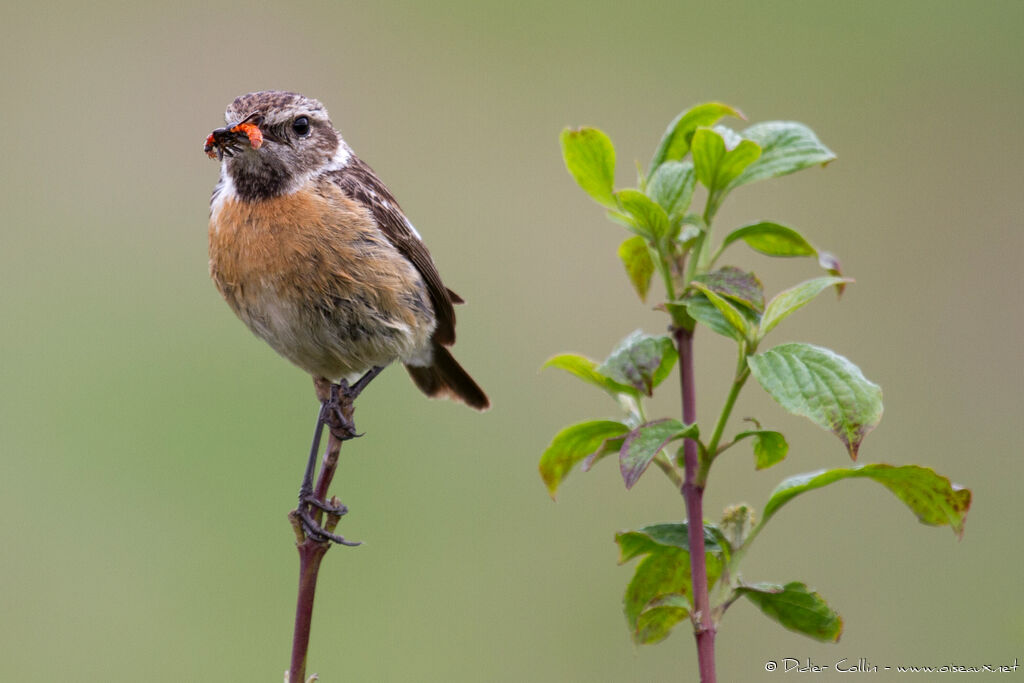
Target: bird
<point>312,252</point>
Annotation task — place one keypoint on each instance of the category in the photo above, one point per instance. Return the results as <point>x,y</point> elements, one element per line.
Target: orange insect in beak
<point>225,140</point>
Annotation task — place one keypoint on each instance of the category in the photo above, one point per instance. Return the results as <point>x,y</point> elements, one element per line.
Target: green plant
<point>690,569</point>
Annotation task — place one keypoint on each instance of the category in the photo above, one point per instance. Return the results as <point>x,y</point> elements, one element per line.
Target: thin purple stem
<point>693,494</point>
<point>311,552</point>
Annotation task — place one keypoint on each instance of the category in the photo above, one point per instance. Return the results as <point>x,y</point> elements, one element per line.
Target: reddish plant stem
<point>693,494</point>
<point>311,552</point>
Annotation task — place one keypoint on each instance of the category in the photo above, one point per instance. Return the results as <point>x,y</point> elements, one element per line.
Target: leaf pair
<point>931,497</point>
<point>725,159</point>
<point>737,302</point>
<point>633,369</point>
<point>638,364</point>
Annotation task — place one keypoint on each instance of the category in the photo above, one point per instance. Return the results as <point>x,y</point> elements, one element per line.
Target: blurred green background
<point>150,447</point>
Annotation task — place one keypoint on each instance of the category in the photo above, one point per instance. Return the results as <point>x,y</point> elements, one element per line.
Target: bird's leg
<point>306,488</point>
<point>310,526</point>
<point>336,410</point>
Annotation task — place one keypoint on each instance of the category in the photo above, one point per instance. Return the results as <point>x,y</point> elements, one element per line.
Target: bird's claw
<point>316,532</point>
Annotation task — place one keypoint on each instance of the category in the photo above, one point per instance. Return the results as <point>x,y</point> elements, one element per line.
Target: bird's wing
<point>360,183</point>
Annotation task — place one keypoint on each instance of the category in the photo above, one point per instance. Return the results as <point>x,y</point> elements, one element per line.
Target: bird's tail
<point>444,377</point>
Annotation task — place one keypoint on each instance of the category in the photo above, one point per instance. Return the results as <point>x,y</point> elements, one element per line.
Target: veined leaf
<point>786,147</point>
<point>789,300</point>
<point>732,315</point>
<point>636,257</point>
<point>703,311</point>
<point>573,444</point>
<point>769,447</point>
<point>797,608</point>
<point>590,157</point>
<point>644,443</point>
<point>589,372</point>
<point>659,617</point>
<point>720,155</point>
<point>821,385</point>
<point>641,361</point>
<point>663,577</point>
<point>666,571</point>
<point>933,498</point>
<point>772,239</point>
<point>671,186</point>
<point>672,534</point>
<point>675,143</point>
<point>648,218</point>
<point>737,285</point>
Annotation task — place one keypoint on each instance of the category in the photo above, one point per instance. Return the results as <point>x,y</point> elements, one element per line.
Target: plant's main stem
<point>693,494</point>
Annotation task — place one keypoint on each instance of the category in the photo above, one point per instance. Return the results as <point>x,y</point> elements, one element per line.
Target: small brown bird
<point>311,250</point>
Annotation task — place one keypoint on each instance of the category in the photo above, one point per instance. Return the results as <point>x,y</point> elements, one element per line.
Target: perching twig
<point>312,546</point>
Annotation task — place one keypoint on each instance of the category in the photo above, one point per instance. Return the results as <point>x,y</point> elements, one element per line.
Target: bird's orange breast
<point>312,274</point>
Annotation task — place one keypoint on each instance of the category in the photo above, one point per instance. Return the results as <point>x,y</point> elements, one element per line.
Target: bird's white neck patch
<point>224,192</point>
<point>341,156</point>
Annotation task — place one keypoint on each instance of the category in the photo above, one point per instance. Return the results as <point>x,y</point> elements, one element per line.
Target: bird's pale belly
<point>334,306</point>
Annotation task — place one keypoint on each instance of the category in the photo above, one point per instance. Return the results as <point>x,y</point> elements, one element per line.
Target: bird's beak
<point>228,140</point>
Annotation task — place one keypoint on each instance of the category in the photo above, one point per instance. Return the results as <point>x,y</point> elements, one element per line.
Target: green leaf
<point>823,386</point>
<point>672,534</point>
<point>672,187</point>
<point>590,157</point>
<point>664,572</point>
<point>649,219</point>
<point>786,147</point>
<point>770,447</point>
<point>737,285</point>
<point>588,371</point>
<point>675,143</point>
<point>644,443</point>
<point>703,311</point>
<point>573,444</point>
<point>659,617</point>
<point>636,257</point>
<point>797,608</point>
<point>933,498</point>
<point>771,239</point>
<point>720,155</point>
<point>789,300</point>
<point>735,319</point>
<point>641,361</point>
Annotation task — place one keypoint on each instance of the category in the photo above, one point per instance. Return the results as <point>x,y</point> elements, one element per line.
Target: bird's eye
<point>301,126</point>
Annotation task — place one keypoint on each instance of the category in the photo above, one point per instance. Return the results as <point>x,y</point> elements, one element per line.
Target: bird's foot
<point>313,529</point>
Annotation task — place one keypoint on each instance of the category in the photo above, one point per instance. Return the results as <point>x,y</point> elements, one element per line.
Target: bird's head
<point>274,141</point>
